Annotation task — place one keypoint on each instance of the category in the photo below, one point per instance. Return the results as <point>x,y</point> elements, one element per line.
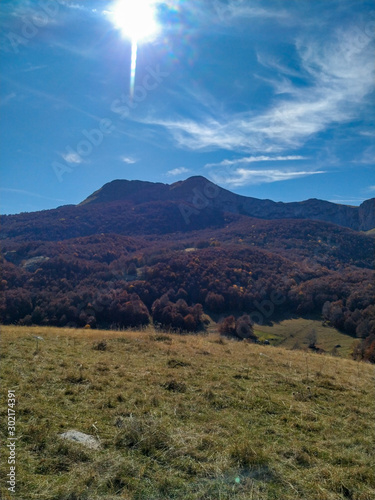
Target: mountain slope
<point>199,193</point>
<point>120,217</point>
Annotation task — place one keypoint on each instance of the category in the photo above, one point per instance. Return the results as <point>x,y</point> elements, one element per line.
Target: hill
<point>184,417</point>
<point>135,253</point>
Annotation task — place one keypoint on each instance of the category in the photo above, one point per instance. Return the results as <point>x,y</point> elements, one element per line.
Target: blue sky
<point>272,99</point>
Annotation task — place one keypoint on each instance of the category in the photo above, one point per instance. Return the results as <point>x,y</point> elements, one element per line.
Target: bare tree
<point>311,338</point>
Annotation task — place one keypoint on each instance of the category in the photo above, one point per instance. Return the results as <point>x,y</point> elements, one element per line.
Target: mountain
<point>198,193</point>
<point>138,252</point>
<point>139,208</point>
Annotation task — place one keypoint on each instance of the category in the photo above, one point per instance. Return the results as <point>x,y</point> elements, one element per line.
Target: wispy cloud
<point>341,200</point>
<point>273,63</point>
<point>29,193</point>
<point>31,68</point>
<point>239,10</point>
<point>129,160</point>
<point>368,133</point>
<point>85,52</point>
<point>368,156</point>
<point>73,158</point>
<point>72,5</point>
<point>254,159</point>
<point>4,100</point>
<point>45,96</point>
<point>246,177</point>
<point>30,12</point>
<point>77,6</point>
<point>177,171</point>
<point>341,75</point>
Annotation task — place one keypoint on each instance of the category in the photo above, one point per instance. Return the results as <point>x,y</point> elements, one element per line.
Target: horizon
<point>270,100</point>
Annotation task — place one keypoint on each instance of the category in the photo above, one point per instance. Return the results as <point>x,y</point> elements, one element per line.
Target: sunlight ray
<point>133,67</point>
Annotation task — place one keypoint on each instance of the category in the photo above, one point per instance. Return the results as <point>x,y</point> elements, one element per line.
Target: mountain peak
<point>144,191</point>
<point>199,193</point>
<point>123,189</point>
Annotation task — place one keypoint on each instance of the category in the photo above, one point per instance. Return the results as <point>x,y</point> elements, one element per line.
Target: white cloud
<point>273,63</point>
<point>239,10</point>
<point>178,171</point>
<point>72,5</point>
<point>368,133</point>
<point>254,159</point>
<point>29,9</point>
<point>34,68</point>
<point>368,156</point>
<point>72,158</point>
<point>245,177</point>
<point>128,160</point>
<point>342,201</point>
<point>340,73</point>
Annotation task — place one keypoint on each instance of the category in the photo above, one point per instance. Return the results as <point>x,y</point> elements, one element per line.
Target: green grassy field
<point>292,333</point>
<point>184,417</point>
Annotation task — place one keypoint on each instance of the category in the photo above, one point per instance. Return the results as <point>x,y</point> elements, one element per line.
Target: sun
<point>136,19</point>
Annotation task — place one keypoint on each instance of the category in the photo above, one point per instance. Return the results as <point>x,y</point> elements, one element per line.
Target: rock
<point>81,438</point>
<point>33,263</point>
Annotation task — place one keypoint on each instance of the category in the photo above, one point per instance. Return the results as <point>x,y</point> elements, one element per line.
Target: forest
<point>247,271</point>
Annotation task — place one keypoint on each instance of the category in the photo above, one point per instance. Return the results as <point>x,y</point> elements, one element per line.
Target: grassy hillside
<point>292,333</point>
<point>185,417</point>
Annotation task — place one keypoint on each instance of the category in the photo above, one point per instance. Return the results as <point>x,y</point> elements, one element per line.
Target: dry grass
<point>185,417</point>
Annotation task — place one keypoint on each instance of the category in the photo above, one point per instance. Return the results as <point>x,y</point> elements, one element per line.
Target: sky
<point>270,99</point>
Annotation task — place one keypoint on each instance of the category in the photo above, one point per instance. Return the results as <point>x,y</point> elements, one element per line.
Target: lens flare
<point>133,68</point>
<point>136,19</point>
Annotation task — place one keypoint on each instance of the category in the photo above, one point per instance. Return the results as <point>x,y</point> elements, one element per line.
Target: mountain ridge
<point>197,193</point>
<point>146,208</point>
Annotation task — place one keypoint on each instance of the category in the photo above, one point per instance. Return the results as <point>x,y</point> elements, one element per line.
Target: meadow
<point>184,417</point>
<point>293,333</point>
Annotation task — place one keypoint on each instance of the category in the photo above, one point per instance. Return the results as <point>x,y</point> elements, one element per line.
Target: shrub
<point>228,326</point>
<point>100,346</point>
<point>175,386</point>
<point>242,328</point>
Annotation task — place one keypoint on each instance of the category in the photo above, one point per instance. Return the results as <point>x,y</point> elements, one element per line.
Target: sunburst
<point>136,19</point>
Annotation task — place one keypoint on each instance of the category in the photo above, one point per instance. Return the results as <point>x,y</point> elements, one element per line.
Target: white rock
<point>81,438</point>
